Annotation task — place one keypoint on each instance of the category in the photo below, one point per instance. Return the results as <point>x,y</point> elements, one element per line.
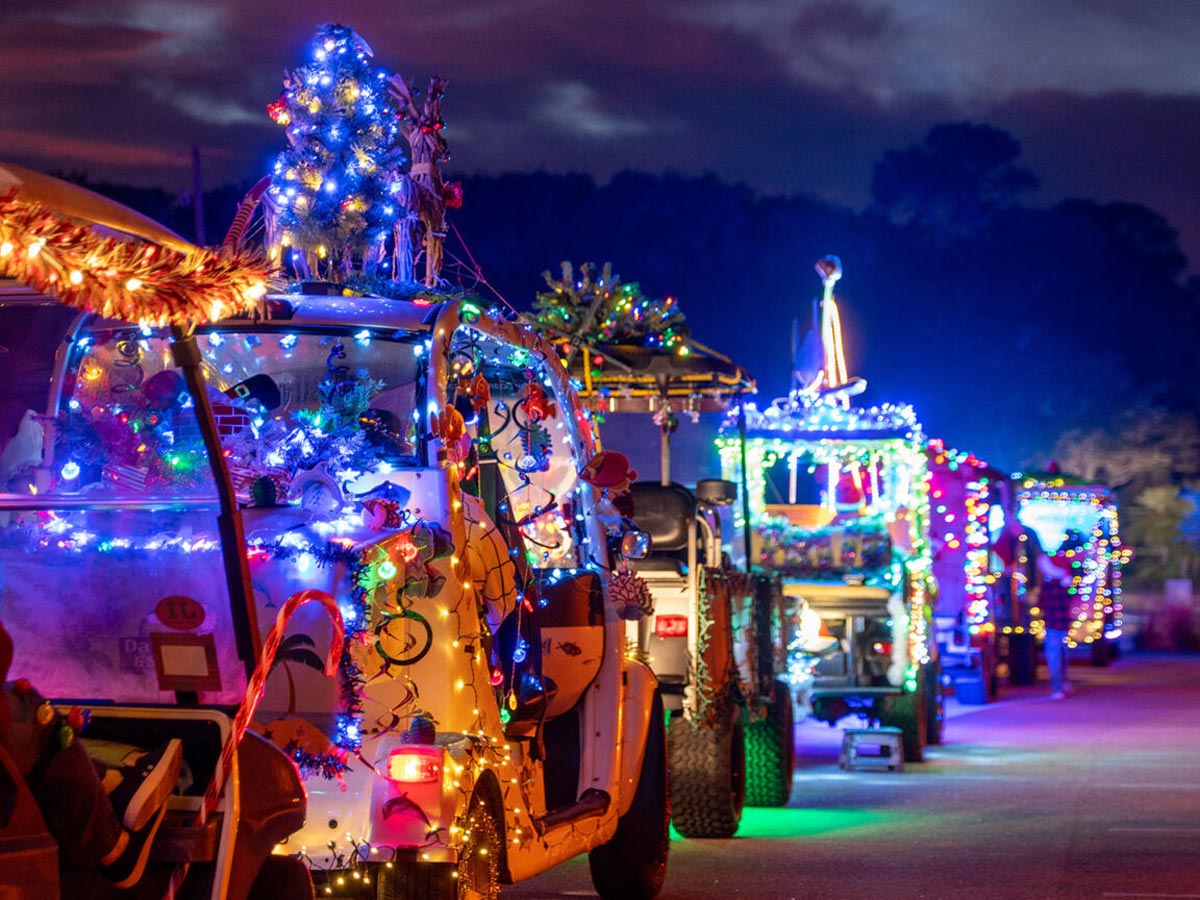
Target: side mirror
<point>635,544</point>
<point>716,491</point>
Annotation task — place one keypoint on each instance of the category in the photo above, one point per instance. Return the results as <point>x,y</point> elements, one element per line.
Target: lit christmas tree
<point>332,206</point>
<point>599,310</point>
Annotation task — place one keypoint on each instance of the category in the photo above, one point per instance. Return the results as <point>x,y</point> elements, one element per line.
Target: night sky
<point>785,95</point>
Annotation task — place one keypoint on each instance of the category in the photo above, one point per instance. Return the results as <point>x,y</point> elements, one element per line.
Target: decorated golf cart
<point>464,563</point>
<point>967,500</point>
<point>1056,508</point>
<point>711,631</point>
<point>343,545</point>
<point>839,507</point>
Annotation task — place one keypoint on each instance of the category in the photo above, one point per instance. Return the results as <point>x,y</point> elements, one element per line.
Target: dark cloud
<point>787,95</point>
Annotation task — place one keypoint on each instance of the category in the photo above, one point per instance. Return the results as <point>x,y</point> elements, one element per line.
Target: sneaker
<point>1058,695</point>
<point>145,785</point>
<point>128,868</point>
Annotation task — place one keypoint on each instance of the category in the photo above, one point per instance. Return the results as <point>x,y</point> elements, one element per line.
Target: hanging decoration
<point>426,197</point>
<point>630,595</point>
<point>127,280</point>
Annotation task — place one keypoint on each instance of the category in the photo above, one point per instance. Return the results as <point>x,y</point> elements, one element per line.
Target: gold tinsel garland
<point>133,281</point>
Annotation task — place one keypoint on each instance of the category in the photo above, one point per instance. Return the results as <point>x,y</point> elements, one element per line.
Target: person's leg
<point>1055,650</point>
<point>68,791</point>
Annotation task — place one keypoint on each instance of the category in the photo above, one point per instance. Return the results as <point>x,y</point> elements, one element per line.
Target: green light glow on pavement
<point>790,823</point>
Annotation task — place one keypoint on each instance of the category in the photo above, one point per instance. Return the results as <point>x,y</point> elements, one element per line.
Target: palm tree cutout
<point>297,648</point>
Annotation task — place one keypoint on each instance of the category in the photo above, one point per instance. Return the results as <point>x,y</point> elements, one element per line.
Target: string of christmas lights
<point>336,190</point>
<point>599,310</point>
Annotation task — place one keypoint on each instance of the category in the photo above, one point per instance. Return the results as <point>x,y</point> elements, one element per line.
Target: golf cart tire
<point>771,752</point>
<point>935,706</point>
<point>633,864</point>
<point>1022,659</point>
<point>478,875</point>
<point>282,878</point>
<point>906,711</point>
<point>708,776</point>
<point>991,671</point>
<point>1101,654</point>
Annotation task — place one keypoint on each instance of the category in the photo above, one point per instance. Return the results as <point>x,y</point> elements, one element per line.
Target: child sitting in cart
<point>100,815</point>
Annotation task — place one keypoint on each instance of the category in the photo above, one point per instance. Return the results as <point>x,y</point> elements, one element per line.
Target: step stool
<point>872,749</point>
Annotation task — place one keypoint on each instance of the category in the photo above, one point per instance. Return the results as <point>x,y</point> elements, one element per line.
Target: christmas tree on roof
<point>333,202</point>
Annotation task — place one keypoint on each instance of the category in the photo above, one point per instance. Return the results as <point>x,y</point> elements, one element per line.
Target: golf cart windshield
<point>284,402</point>
<point>111,573</point>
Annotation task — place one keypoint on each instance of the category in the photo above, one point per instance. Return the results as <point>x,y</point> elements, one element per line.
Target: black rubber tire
<point>708,776</point>
<point>1102,653</point>
<point>478,873</point>
<point>633,864</point>
<point>282,878</point>
<point>906,712</point>
<point>1022,659</point>
<point>935,704</point>
<point>990,671</point>
<point>771,752</point>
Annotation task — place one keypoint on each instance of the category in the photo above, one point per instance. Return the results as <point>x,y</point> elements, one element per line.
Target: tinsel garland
<point>862,545</point>
<point>132,281</point>
<point>327,765</point>
<point>427,543</point>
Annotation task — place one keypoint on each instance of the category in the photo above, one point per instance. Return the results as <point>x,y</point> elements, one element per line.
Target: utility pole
<point>198,196</point>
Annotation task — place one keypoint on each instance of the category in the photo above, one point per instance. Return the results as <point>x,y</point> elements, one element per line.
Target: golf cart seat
<point>666,512</point>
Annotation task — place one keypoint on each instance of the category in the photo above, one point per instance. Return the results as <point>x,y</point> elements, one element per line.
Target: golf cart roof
<point>86,206</point>
<point>289,311</point>
<point>634,378</point>
<point>790,421</point>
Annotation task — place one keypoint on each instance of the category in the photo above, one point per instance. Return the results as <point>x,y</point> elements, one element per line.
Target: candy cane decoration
<point>237,229</point>
<point>254,693</point>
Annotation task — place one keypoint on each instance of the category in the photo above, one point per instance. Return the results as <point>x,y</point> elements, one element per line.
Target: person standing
<point>1056,599</point>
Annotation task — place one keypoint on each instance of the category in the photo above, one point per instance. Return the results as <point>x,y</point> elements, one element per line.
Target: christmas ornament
<point>610,471</point>
<point>630,595</point>
<point>380,514</point>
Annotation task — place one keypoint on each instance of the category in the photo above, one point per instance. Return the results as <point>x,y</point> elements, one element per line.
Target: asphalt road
<point>1096,796</point>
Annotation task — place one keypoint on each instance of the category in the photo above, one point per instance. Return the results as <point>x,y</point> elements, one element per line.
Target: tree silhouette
<point>955,181</point>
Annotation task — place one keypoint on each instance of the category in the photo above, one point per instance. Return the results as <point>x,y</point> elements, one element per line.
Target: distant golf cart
<point>715,638</point>
<point>854,558</point>
<point>838,507</point>
<point>966,498</point>
<point>1052,506</point>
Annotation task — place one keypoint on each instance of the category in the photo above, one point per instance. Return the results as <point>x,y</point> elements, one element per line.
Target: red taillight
<point>670,626</point>
<point>882,648</point>
<point>415,765</point>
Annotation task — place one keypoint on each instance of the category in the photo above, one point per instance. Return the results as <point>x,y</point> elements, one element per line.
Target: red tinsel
<point>133,280</point>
